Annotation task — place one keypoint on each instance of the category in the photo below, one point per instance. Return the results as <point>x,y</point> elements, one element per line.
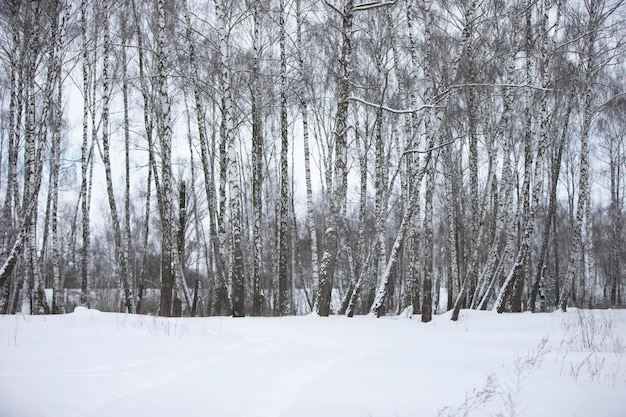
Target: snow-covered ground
<point>90,363</point>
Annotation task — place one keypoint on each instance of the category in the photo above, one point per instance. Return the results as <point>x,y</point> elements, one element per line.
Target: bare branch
<point>389,109</point>
<point>333,7</point>
<point>373,5</point>
<point>602,106</point>
<point>434,148</point>
<point>443,94</point>
<point>534,87</point>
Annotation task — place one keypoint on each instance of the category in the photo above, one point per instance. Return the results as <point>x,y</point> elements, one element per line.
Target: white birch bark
<point>127,232</point>
<point>168,267</point>
<point>327,268</point>
<point>257,165</point>
<point>58,304</point>
<point>304,112</point>
<point>86,150</point>
<point>31,280</point>
<point>120,259</point>
<point>427,300</point>
<point>237,267</point>
<point>592,285</point>
<point>284,302</point>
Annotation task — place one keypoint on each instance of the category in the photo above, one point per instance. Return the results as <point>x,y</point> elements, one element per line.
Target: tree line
<point>274,157</point>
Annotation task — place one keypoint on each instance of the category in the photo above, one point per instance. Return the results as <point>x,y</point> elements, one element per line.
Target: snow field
<point>90,363</point>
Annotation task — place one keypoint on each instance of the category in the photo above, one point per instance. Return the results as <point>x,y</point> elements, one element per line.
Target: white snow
<point>90,363</point>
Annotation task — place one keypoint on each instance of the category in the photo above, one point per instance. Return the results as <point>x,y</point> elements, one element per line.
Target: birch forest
<point>281,157</point>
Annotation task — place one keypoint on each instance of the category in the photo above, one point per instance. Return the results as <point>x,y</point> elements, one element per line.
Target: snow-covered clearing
<point>90,363</point>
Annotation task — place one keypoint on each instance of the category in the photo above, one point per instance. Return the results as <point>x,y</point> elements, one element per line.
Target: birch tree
<point>165,137</point>
<point>120,258</point>
<point>60,17</point>
<point>13,135</point>
<point>304,113</point>
<point>237,269</point>
<point>284,287</point>
<point>85,162</point>
<point>34,301</point>
<point>257,161</point>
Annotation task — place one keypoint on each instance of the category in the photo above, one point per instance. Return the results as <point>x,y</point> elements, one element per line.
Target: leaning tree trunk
<point>377,308</point>
<point>120,259</point>
<point>329,258</point>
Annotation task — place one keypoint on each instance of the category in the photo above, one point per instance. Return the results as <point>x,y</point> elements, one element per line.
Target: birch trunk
<point>237,268</point>
<point>284,286</point>
<point>616,175</point>
<point>168,272</point>
<point>427,300</point>
<point>595,13</point>
<point>145,241</point>
<point>58,304</point>
<point>85,159</point>
<point>591,285</point>
<point>552,207</point>
<point>120,259</point>
<point>361,268</point>
<point>127,237</point>
<point>257,167</point>
<point>13,139</point>
<point>414,244</point>
<point>304,112</point>
<point>327,268</point>
<point>32,301</point>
